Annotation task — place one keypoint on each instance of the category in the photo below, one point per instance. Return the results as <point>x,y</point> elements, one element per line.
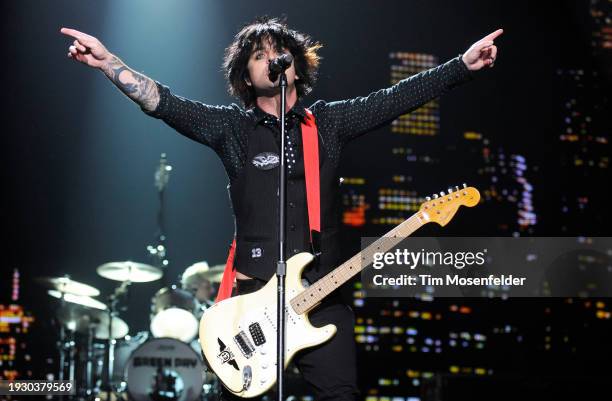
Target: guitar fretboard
<point>312,295</point>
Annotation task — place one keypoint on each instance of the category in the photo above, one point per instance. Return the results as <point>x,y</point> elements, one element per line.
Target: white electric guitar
<point>238,335</point>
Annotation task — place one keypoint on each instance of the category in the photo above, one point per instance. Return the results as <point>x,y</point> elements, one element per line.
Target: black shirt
<point>233,133</point>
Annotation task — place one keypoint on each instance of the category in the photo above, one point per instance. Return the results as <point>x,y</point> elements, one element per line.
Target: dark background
<point>79,157</point>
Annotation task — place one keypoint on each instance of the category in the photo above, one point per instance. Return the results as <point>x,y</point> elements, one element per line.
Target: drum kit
<point>106,363</point>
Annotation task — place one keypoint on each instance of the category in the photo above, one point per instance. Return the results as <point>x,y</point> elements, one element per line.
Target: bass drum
<point>123,350</point>
<point>165,369</point>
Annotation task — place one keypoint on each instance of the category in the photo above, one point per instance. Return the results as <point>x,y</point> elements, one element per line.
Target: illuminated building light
<point>397,348</point>
<point>354,217</point>
<point>400,179</point>
<point>465,310</point>
<point>413,373</point>
<point>387,382</point>
<point>353,181</point>
<point>470,135</point>
<point>389,221</point>
<point>600,314</point>
<point>424,297</point>
<point>454,369</point>
<point>425,120</point>
<point>15,287</point>
<point>600,304</point>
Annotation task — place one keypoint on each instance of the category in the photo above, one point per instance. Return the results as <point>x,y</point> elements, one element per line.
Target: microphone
<point>278,65</point>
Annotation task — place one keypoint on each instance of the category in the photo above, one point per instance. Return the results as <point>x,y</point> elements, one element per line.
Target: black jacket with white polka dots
<point>241,137</point>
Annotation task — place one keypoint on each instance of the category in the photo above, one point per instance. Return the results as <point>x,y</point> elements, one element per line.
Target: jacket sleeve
<point>207,124</point>
<point>354,117</point>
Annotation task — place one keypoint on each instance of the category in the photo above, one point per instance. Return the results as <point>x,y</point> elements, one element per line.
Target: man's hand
<point>482,53</point>
<point>87,49</point>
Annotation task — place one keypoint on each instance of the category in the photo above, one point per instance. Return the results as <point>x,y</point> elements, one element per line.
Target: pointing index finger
<point>494,35</point>
<point>82,37</point>
<point>72,32</point>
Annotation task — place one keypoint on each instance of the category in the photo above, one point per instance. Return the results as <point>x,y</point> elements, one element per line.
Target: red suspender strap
<point>229,275</point>
<point>310,141</point>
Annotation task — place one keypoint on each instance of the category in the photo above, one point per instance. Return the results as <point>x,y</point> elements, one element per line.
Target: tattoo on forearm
<point>136,86</point>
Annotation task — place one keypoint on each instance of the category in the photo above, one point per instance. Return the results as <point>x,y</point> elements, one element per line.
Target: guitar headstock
<point>442,207</point>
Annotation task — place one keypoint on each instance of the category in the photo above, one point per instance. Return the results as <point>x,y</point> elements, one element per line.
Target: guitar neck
<point>312,295</point>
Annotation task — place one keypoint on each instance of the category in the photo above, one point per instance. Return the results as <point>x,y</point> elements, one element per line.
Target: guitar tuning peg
<point>456,187</point>
<point>435,196</point>
<point>450,190</point>
<point>428,199</point>
<point>464,185</point>
<point>442,193</point>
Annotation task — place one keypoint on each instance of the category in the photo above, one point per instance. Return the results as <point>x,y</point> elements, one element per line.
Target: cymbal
<point>81,319</point>
<point>202,271</point>
<point>78,299</point>
<point>69,286</point>
<point>129,271</point>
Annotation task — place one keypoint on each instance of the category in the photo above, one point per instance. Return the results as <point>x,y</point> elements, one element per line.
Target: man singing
<point>247,140</point>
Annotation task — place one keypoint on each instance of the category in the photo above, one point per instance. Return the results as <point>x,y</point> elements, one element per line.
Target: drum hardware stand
<point>65,346</point>
<point>89,367</point>
<point>158,252</point>
<point>113,300</point>
<point>62,345</point>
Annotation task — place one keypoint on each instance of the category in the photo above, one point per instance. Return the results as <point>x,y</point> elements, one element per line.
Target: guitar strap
<point>310,143</point>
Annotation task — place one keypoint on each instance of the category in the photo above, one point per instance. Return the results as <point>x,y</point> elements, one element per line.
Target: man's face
<point>259,74</point>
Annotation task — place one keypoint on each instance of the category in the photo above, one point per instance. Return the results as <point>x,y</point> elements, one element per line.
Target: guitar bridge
<point>244,344</point>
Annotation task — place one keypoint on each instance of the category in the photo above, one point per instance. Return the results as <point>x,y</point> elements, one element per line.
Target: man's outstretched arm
<point>354,117</point>
<point>90,51</point>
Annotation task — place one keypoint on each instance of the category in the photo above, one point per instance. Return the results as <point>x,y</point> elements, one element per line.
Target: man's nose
<point>272,56</point>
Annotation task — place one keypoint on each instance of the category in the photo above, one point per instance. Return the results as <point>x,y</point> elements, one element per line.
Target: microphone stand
<point>281,267</point>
